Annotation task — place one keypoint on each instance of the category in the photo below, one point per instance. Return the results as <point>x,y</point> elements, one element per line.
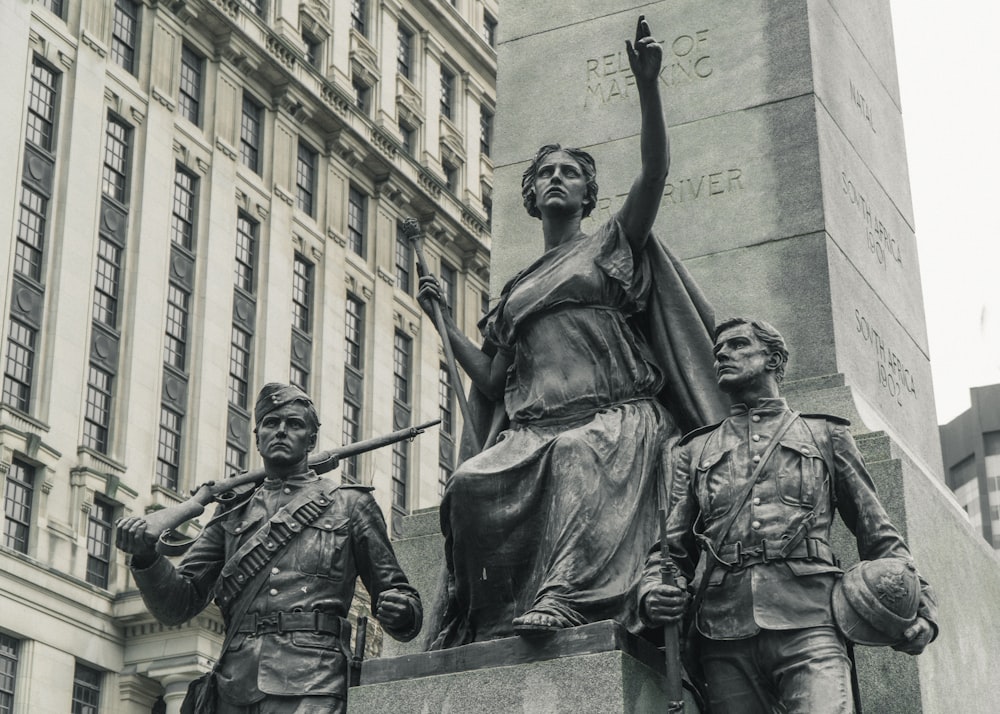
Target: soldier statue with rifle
<point>281,558</point>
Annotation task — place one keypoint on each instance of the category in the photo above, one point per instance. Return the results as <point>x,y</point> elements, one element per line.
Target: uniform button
<point>286,490</point>
<point>273,591</point>
<point>275,571</point>
<point>241,577</point>
<point>755,525</point>
<point>756,458</point>
<point>755,437</point>
<point>756,502</point>
<point>755,418</point>
<point>805,450</point>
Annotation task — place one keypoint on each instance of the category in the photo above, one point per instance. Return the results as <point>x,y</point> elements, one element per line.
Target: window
<point>30,233</point>
<point>56,8</point>
<point>250,134</point>
<point>302,290</point>
<point>20,366</point>
<point>357,207</point>
<point>116,153</point>
<point>449,283</point>
<point>106,282</point>
<point>408,135</point>
<point>401,368</point>
<point>305,178</point>
<point>298,376</point>
<point>404,260</point>
<point>236,459</point>
<point>189,98</point>
<point>86,690</point>
<point>489,29</point>
<point>488,207</point>
<point>175,342</point>
<point>254,6</point>
<point>446,402</point>
<point>41,106</point>
<point>351,433</point>
<point>404,51</point>
<point>125,34</point>
<point>99,525</point>
<point>19,492</point>
<point>484,303</point>
<point>246,247</point>
<point>97,417</point>
<point>450,176</point>
<point>168,452</point>
<point>182,220</point>
<point>359,14</point>
<point>313,50</point>
<point>354,319</point>
<point>239,367</point>
<point>362,95</point>
<point>485,131</point>
<point>400,474</point>
<point>8,670</point>
<point>447,92</point>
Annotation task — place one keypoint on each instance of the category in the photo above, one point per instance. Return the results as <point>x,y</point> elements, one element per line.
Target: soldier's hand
<point>393,610</point>
<point>131,537</point>
<point>664,604</point>
<point>918,636</point>
<point>429,292</point>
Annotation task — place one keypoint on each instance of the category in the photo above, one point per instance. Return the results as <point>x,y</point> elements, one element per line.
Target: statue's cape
<point>678,323</point>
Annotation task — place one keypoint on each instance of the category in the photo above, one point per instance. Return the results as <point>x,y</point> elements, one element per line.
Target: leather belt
<point>737,556</point>
<point>313,621</point>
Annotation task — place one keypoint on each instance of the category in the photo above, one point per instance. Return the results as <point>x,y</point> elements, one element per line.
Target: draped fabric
<point>556,514</point>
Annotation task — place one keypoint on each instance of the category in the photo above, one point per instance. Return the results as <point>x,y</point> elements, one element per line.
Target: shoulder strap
<point>744,495</point>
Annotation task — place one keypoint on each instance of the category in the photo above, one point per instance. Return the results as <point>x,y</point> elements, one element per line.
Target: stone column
<point>788,199</point>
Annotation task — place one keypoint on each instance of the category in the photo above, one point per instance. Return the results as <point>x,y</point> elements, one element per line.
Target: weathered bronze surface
<point>282,566</point>
<point>753,504</point>
<point>595,357</point>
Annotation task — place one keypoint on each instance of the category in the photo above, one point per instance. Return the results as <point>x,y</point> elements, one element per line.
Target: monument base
<point>598,668</point>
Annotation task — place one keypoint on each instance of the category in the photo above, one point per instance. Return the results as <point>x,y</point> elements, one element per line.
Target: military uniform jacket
<point>316,571</point>
<point>815,468</point>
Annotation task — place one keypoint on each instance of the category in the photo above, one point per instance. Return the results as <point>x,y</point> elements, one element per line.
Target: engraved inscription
<point>893,376</point>
<point>863,106</point>
<point>684,190</point>
<point>685,60</point>
<point>881,243</point>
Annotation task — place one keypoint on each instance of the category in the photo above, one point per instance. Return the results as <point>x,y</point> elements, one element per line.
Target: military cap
<point>275,395</point>
<point>876,601</point>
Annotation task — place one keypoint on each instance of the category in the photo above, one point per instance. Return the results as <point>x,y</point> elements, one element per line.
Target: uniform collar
<point>765,406</point>
<point>294,481</point>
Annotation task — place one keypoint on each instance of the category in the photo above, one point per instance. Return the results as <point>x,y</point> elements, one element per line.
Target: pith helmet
<point>876,601</point>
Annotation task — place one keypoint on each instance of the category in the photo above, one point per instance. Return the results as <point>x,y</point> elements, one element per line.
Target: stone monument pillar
<point>788,199</point>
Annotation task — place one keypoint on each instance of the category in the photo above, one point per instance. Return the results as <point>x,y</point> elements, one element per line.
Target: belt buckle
<point>265,622</point>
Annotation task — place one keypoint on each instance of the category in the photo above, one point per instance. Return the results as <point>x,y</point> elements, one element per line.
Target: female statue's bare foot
<point>538,623</point>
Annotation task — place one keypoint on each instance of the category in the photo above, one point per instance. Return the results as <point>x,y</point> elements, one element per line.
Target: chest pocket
<point>800,473</point>
<point>239,529</point>
<point>321,549</point>
<point>716,483</point>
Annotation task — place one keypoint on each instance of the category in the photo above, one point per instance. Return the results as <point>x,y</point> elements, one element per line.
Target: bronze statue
<point>281,561</point>
<point>590,354</point>
<point>753,502</point>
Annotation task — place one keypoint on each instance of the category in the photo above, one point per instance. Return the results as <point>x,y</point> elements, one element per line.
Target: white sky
<point>948,56</point>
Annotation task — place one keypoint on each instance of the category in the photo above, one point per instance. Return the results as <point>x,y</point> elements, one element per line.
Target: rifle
<point>159,524</point>
<point>671,633</point>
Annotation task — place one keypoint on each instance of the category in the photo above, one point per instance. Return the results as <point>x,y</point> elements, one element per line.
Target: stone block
<point>595,669</point>
<point>870,26</point>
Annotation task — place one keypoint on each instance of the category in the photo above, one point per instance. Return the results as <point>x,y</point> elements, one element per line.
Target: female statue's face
<point>560,184</point>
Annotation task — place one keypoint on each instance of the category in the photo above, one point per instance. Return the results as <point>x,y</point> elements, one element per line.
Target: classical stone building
<point>202,196</point>
<point>970,445</point>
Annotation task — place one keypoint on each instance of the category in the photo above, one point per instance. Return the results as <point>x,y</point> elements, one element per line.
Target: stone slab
<point>719,57</point>
<point>857,99</point>
<point>737,179</point>
<point>867,226</point>
<point>595,669</point>
<point>870,26</point>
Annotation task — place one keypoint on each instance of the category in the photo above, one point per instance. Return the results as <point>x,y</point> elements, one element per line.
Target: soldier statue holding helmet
<point>752,505</point>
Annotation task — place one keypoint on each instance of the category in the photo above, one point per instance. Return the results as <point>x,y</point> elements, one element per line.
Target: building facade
<point>202,196</point>
<point>970,445</point>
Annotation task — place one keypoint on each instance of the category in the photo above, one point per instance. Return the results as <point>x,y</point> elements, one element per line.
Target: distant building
<point>970,445</point>
<point>203,196</point>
